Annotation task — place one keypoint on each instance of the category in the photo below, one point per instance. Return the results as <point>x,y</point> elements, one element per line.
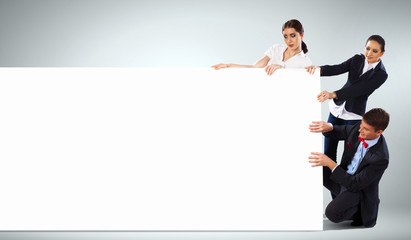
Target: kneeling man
<point>354,182</point>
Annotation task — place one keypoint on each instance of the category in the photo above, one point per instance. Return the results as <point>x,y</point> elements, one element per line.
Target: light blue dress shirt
<point>361,151</point>
<point>359,155</point>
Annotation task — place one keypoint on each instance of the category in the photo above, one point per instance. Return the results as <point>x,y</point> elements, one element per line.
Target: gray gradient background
<point>91,33</point>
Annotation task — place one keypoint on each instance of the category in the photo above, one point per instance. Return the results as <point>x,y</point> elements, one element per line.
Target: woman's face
<point>373,51</point>
<point>292,38</point>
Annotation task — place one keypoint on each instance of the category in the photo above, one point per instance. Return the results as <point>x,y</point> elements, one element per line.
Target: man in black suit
<point>355,180</point>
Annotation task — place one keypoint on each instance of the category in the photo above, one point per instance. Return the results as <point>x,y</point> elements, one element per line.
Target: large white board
<point>158,149</point>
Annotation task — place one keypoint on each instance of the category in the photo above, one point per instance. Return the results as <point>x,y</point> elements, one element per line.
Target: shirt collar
<point>372,142</point>
<point>301,53</point>
<point>372,65</point>
<point>284,47</point>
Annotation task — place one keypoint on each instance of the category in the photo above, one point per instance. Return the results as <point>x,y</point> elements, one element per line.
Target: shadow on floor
<point>328,225</point>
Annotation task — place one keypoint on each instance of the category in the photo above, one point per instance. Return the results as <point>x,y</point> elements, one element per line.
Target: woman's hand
<point>311,69</point>
<point>270,69</point>
<point>324,95</point>
<point>220,65</point>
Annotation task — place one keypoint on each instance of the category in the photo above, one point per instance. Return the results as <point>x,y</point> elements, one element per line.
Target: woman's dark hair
<point>379,40</point>
<point>378,118</point>
<point>294,23</point>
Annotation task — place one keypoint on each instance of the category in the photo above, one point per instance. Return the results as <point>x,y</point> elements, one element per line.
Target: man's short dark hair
<point>378,118</point>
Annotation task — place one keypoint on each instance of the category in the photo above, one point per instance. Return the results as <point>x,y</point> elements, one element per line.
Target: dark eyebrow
<point>372,48</point>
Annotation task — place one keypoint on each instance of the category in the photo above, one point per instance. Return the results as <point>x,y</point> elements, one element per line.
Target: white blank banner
<point>158,149</point>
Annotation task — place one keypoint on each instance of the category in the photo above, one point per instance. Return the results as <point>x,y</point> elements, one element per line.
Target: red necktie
<point>363,142</point>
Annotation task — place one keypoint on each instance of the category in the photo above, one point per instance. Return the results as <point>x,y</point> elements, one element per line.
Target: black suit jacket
<point>358,87</point>
<point>367,177</point>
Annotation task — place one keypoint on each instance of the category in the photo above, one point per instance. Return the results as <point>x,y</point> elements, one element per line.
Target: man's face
<point>368,132</point>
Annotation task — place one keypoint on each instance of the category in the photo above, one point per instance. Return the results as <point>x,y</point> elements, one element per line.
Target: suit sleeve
<point>361,179</point>
<point>332,70</point>
<point>340,132</point>
<point>363,88</point>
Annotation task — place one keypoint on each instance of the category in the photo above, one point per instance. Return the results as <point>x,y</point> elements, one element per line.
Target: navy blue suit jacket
<point>367,177</point>
<point>358,87</point>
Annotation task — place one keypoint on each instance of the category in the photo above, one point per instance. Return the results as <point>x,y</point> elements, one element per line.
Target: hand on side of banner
<point>270,69</point>
<point>324,95</point>
<point>320,159</point>
<point>320,127</point>
<point>311,69</point>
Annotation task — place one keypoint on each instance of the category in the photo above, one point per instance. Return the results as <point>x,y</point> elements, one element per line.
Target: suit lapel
<point>370,73</point>
<point>349,155</point>
<point>368,156</point>
<point>365,159</point>
<point>367,75</point>
<point>361,66</point>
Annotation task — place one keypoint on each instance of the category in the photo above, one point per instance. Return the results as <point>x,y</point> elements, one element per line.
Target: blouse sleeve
<point>270,52</point>
<point>275,53</point>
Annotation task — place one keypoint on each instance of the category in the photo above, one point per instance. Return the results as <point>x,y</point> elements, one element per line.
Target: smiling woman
<point>374,49</point>
<point>291,55</point>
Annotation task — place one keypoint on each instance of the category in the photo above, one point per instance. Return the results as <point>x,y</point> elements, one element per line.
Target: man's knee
<point>333,214</point>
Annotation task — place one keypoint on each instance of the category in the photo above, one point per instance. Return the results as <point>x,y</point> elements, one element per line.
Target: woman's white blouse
<point>276,52</point>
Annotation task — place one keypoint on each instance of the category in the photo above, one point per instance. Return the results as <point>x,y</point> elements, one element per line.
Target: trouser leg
<point>344,206</point>
<point>330,144</point>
